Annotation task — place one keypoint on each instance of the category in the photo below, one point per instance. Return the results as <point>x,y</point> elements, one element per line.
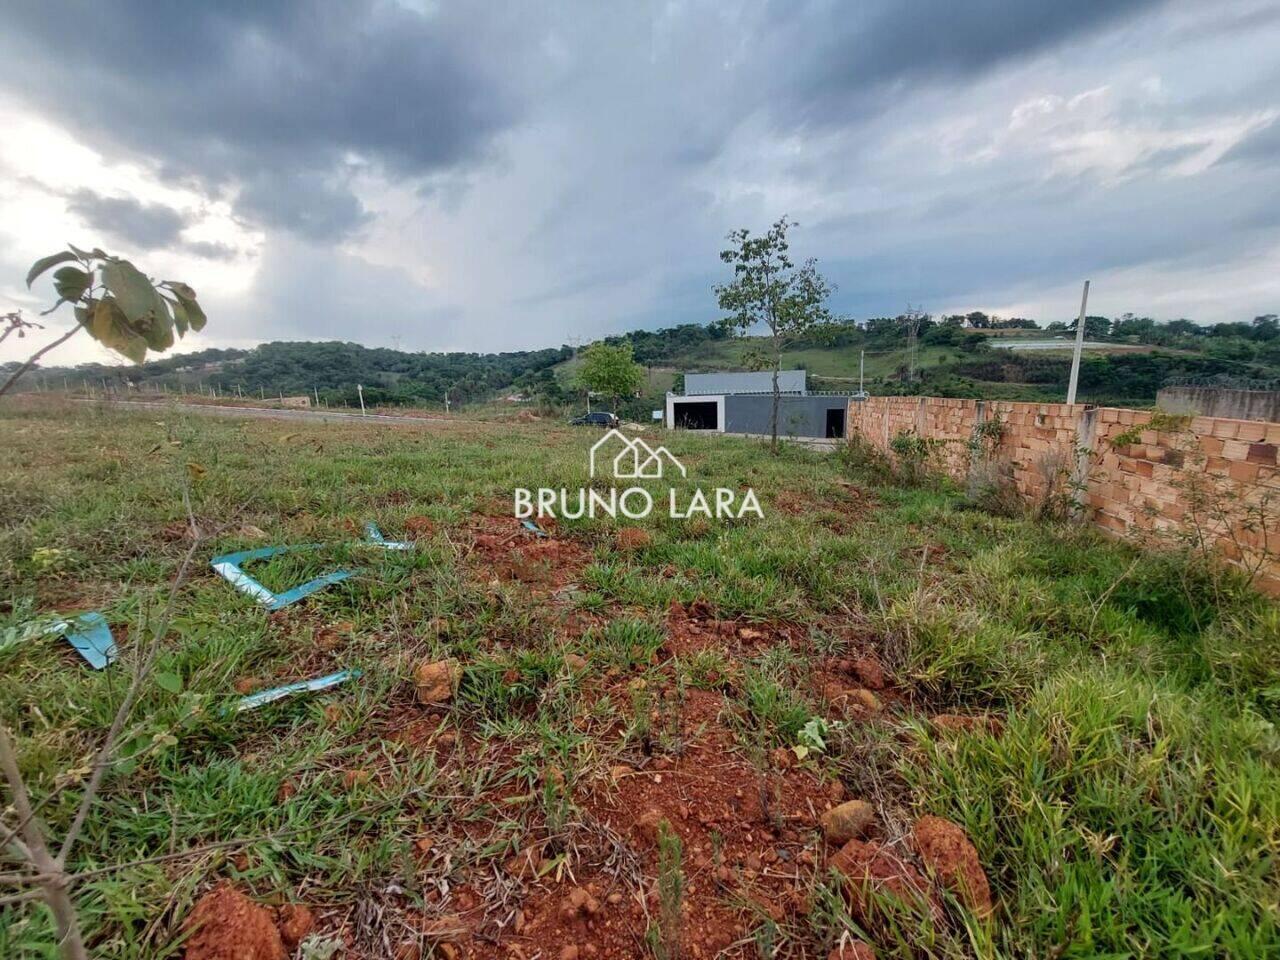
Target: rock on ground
<point>227,925</point>
<point>848,821</point>
<point>437,681</point>
<point>874,867</point>
<point>947,851</point>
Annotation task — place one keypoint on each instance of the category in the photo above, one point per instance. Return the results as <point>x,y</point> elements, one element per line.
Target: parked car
<point>598,419</point>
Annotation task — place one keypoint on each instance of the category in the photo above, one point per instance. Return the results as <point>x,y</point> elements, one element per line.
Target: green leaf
<point>179,314</point>
<point>111,328</point>
<point>71,283</point>
<point>187,297</point>
<point>140,302</point>
<point>44,263</point>
<point>169,682</point>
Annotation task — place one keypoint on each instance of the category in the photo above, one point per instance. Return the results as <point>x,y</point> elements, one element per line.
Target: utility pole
<point>360,391</point>
<point>317,394</point>
<point>862,363</point>
<point>1075,357</point>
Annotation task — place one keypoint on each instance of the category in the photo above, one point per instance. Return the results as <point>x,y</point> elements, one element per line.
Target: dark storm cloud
<point>147,226</point>
<point>278,97</point>
<point>143,226</point>
<point>501,175</point>
<point>860,51</point>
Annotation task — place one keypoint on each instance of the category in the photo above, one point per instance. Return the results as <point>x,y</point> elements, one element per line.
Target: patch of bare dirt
<point>419,528</point>
<point>746,834</point>
<point>502,549</point>
<point>695,627</point>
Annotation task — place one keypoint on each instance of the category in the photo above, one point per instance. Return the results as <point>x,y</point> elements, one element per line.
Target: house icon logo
<point>631,458</point>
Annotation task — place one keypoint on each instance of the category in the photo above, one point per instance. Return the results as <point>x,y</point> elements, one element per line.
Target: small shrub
<point>989,487</point>
<point>664,936</point>
<point>914,458</point>
<point>863,462</point>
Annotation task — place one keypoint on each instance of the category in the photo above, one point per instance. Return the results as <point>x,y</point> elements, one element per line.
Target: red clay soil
<point>695,627</point>
<point>227,925</point>
<point>876,868</point>
<point>419,528</point>
<point>764,852</point>
<point>947,852</point>
<point>502,549</point>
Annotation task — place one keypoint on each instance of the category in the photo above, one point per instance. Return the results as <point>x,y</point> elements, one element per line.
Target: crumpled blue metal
<point>230,566</point>
<point>313,685</point>
<point>374,538</point>
<point>90,635</point>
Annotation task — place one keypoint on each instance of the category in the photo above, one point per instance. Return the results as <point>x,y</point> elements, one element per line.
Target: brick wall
<point>1210,474</point>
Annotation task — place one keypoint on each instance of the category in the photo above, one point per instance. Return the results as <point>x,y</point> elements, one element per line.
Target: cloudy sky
<point>492,176</point>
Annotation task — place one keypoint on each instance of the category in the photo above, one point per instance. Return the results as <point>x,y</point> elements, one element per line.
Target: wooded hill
<point>945,357</point>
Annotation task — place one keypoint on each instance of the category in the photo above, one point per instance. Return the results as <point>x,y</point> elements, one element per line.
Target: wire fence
<point>1224,381</point>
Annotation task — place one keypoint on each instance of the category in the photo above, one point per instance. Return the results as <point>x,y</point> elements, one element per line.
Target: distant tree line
<point>957,360</point>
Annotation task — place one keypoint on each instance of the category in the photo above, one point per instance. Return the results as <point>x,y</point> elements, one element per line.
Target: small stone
<point>569,952</point>
<point>646,825</point>
<point>575,662</point>
<point>848,821</point>
<point>864,700</point>
<point>437,681</point>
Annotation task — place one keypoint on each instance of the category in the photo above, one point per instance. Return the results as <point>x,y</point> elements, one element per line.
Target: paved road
<point>267,413</point>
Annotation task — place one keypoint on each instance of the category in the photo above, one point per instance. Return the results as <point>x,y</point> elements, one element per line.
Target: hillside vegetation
<point>1134,358</point>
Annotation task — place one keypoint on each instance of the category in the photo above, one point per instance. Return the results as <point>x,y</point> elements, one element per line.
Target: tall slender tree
<point>769,290</point>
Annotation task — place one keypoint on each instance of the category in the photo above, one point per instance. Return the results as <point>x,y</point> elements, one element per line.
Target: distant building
<point>789,381</point>
<point>742,402</point>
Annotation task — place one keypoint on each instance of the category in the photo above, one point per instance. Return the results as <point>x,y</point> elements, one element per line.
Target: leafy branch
<point>116,302</point>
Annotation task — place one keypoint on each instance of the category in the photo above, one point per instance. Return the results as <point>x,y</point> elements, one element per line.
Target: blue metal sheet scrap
<point>90,635</point>
<point>313,685</point>
<point>230,566</point>
<point>373,537</point>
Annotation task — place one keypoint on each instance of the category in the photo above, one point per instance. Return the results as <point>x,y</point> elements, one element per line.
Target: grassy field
<point>615,771</point>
